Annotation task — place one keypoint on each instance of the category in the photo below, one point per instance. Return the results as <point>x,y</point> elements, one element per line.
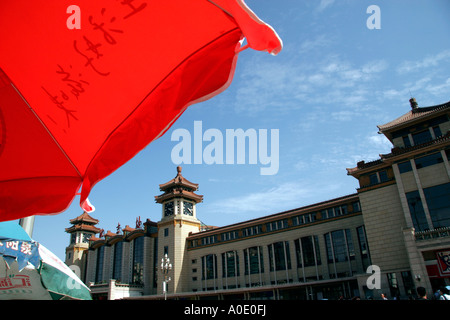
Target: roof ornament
<point>118,228</point>
<point>413,103</point>
<point>138,223</point>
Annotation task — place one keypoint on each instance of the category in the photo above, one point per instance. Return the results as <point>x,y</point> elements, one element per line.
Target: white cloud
<point>375,67</point>
<point>319,42</point>
<point>290,85</point>
<point>379,142</point>
<point>282,197</point>
<point>436,89</point>
<point>427,62</point>
<point>344,115</point>
<point>324,4</point>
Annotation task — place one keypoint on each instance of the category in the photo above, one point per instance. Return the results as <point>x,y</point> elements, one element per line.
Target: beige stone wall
<point>433,175</point>
<point>295,274</point>
<point>149,270</point>
<point>179,228</point>
<point>384,221</point>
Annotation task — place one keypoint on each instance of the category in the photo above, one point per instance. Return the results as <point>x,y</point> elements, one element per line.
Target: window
<point>416,211</point>
<point>209,240</point>
<point>73,238</point>
<point>253,260</point>
<point>331,213</point>
<point>373,178</point>
<point>383,176</point>
<point>166,232</point>
<point>363,247</point>
<point>209,267</point>
<point>251,231</point>
<point>339,246</point>
<point>437,198</point>
<point>378,177</point>
<point>276,225</point>
<point>138,261</point>
<point>230,264</point>
<point>437,132</point>
<point>406,141</point>
<point>422,137</point>
<point>86,237</point>
<point>99,267</point>
<point>298,220</point>
<point>408,283</point>
<point>307,251</point>
<point>229,235</point>
<point>393,284</point>
<point>356,206</point>
<point>341,210</point>
<point>279,256</point>
<point>117,266</point>
<point>428,160</point>
<point>404,167</point>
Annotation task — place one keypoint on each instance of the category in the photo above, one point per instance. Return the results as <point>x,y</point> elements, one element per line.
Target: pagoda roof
<point>416,113</point>
<point>178,187</point>
<point>83,227</point>
<point>84,217</point>
<point>179,193</point>
<point>178,181</point>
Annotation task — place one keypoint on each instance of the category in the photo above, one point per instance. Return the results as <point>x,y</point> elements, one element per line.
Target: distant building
<point>398,221</point>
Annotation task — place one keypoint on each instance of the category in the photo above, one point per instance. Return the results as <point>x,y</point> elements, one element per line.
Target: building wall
<point>149,265</point>
<point>178,231</point>
<point>384,221</point>
<point>295,274</point>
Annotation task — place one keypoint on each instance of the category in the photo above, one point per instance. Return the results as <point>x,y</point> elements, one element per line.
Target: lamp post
<point>166,266</point>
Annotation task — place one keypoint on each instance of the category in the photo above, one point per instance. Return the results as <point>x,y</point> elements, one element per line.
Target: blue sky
<point>333,83</point>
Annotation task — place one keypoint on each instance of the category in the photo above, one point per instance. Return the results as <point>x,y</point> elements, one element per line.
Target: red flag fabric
<point>84,88</point>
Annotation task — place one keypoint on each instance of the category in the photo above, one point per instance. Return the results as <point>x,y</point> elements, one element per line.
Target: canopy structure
<point>84,88</point>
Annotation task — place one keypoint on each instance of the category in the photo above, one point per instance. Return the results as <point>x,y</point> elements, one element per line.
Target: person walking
<point>443,293</point>
<point>421,293</point>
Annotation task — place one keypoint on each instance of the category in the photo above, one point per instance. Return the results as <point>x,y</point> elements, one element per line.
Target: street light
<point>166,266</point>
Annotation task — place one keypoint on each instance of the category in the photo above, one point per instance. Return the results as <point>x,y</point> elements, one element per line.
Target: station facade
<point>391,236</point>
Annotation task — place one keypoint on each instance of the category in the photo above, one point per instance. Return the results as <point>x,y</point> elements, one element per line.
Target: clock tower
<point>179,218</point>
<point>82,229</point>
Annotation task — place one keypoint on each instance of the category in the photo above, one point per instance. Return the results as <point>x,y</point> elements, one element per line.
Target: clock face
<point>168,209</point>
<point>188,209</point>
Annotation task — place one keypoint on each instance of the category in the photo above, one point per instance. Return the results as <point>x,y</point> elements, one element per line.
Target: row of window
<point>281,224</point>
<point>422,137</point>
<point>422,132</point>
<point>406,166</point>
<point>339,248</point>
<point>137,272</point>
<point>422,162</point>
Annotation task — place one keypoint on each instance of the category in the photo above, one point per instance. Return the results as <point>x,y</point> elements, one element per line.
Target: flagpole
<point>27,224</point>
